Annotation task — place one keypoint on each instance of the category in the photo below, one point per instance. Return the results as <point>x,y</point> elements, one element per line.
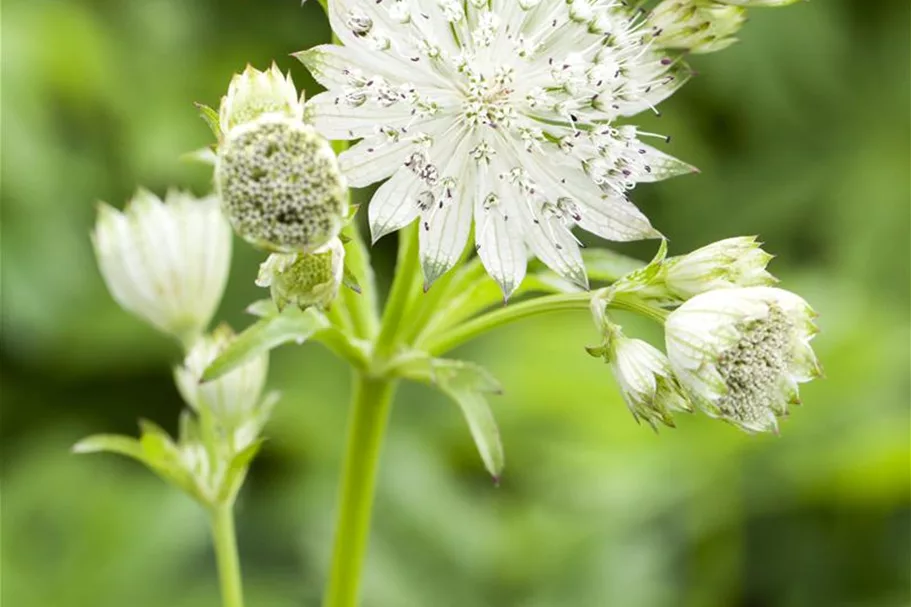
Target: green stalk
<point>407,274</point>
<point>223,536</point>
<point>370,407</point>
<point>449,339</point>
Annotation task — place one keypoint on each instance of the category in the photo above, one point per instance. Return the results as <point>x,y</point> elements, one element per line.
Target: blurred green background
<point>802,135</point>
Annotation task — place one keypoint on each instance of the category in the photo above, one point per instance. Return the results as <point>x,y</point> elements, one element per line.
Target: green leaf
<point>465,383</point>
<point>111,443</point>
<point>350,280</point>
<point>211,118</point>
<point>237,470</point>
<point>262,308</point>
<point>264,335</point>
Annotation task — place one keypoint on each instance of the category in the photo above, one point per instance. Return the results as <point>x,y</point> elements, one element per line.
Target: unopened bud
<point>304,279</point>
<point>695,26</point>
<point>254,93</point>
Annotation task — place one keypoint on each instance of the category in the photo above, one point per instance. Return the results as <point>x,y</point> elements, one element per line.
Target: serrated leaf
<point>210,117</point>
<point>465,383</point>
<point>291,325</point>
<point>110,443</point>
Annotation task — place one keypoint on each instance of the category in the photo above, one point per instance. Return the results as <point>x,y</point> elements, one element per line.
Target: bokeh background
<point>802,135</point>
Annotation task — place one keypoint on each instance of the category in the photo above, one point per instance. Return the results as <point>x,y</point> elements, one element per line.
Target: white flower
<point>503,112</point>
<point>166,262</point>
<point>728,263</point>
<point>254,93</point>
<point>232,398</point>
<point>280,184</point>
<point>304,279</point>
<point>741,353</point>
<point>698,26</point>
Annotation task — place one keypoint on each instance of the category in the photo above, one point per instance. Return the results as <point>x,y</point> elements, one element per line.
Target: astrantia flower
<point>500,111</point>
<point>304,279</point>
<point>233,397</point>
<point>166,262</point>
<point>741,353</point>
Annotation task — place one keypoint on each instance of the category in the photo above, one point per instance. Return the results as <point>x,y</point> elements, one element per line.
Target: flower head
<point>505,116</point>
<point>280,184</point>
<point>741,353</point>
<point>166,262</point>
<point>304,279</point>
<point>232,398</point>
<point>254,93</point>
<point>697,26</point>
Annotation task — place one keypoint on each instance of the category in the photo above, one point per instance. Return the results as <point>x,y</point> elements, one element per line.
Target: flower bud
<point>644,375</point>
<point>695,26</point>
<point>757,3</point>
<point>728,263</point>
<point>232,399</point>
<point>741,353</point>
<point>280,185</point>
<point>254,93</point>
<point>304,279</point>
<point>166,262</point>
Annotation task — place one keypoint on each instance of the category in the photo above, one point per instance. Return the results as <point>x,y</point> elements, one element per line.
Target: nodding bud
<point>165,261</point>
<point>694,25</point>
<point>232,398</point>
<point>254,93</point>
<point>741,353</point>
<point>304,279</point>
<point>280,185</point>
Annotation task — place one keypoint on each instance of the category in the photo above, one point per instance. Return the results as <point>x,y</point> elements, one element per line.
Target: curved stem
<point>225,541</point>
<point>407,273</point>
<point>477,326</point>
<point>371,403</point>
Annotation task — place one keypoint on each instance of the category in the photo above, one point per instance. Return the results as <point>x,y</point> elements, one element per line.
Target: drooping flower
<point>232,398</point>
<point>503,112</point>
<point>304,279</point>
<point>741,353</point>
<point>166,262</point>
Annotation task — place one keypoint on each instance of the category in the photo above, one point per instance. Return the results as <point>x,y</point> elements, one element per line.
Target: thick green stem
<point>371,402</point>
<point>407,275</point>
<point>226,555</point>
<point>475,327</point>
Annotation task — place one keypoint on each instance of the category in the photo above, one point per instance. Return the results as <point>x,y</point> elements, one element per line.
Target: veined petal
<point>498,234</point>
<point>394,205</point>
<point>662,166</point>
<point>336,119</point>
<point>373,159</point>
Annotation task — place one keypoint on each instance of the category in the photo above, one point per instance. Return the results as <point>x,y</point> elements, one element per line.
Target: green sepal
<point>211,118</point>
<point>466,384</point>
<point>111,443</point>
<point>267,333</point>
<point>237,471</point>
<point>350,280</point>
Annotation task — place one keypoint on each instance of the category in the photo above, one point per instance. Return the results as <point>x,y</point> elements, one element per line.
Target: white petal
<point>394,205</point>
<point>373,159</point>
<point>499,240</point>
<point>663,166</point>
<point>336,119</point>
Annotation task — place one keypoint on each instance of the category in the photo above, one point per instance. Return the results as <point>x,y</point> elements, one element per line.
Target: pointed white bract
<point>254,93</point>
<point>741,353</point>
<point>165,261</point>
<point>728,263</point>
<point>502,113</point>
<point>304,279</point>
<point>232,398</point>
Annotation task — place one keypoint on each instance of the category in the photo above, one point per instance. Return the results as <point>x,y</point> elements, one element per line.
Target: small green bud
<point>697,26</point>
<point>280,185</point>
<point>304,279</point>
<point>254,93</point>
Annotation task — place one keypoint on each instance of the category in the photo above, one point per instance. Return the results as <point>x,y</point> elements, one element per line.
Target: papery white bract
<point>304,279</point>
<point>732,262</point>
<point>254,93</point>
<point>232,398</point>
<point>166,262</point>
<point>503,112</point>
<point>741,353</point>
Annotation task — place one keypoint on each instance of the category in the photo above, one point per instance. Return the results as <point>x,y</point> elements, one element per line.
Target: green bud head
<point>304,279</point>
<point>280,185</point>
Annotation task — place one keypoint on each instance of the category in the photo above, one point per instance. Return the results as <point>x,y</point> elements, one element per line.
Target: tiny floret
<point>697,26</point>
<point>165,261</point>
<point>741,353</point>
<point>232,398</point>
<point>504,115</point>
<point>304,279</point>
<point>254,93</point>
<point>280,185</point>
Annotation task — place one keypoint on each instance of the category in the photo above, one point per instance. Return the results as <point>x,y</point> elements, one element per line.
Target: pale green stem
<point>407,275</point>
<point>226,555</point>
<point>476,327</point>
<point>370,407</point>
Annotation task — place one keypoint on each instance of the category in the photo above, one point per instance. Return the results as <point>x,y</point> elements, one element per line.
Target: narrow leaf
<point>264,335</point>
<point>110,443</point>
<point>237,470</point>
<point>211,118</point>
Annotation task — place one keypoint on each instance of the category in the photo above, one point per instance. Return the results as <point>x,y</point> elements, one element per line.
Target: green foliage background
<point>802,135</point>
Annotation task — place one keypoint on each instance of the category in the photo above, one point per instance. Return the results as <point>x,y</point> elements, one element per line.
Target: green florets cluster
<point>754,368</point>
<point>304,279</point>
<point>280,185</point>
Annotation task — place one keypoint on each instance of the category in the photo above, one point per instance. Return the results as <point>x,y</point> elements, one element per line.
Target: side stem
<point>225,541</point>
<point>369,413</point>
